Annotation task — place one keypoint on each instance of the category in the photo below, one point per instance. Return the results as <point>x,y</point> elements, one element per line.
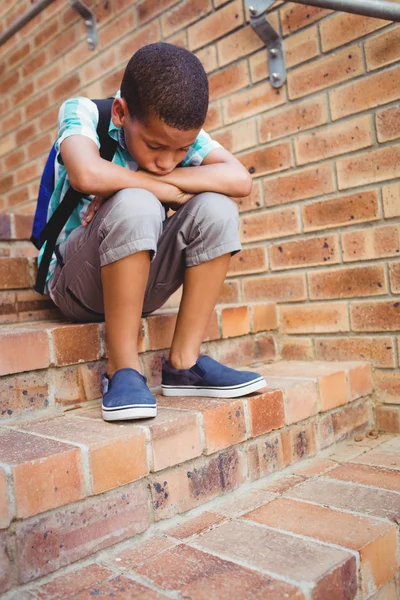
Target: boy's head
<point>163,105</point>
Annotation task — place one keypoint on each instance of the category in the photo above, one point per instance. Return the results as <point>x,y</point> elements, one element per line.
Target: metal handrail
<point>77,5</point>
<point>380,9</point>
<point>24,19</point>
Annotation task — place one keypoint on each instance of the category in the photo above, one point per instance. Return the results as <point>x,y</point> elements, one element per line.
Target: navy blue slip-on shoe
<point>126,396</point>
<point>209,378</point>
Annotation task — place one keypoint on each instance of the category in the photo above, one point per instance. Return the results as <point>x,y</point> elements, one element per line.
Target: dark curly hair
<point>169,82</point>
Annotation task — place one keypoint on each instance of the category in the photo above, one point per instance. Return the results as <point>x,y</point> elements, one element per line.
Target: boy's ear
<point>119,112</point>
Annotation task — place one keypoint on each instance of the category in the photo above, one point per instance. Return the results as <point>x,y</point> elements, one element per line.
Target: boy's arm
<point>88,173</point>
<point>219,172</point>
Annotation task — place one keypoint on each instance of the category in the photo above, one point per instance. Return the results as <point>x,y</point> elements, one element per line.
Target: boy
<point>118,256</point>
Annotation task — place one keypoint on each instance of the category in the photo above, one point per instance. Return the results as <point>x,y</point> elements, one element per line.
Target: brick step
<point>305,534</point>
<point>56,365</point>
<point>75,484</point>
<point>15,227</point>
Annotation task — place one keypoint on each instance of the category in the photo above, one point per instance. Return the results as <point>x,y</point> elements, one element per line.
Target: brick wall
<point>322,226</point>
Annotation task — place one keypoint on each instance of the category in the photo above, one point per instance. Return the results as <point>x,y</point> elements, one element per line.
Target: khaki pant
<point>131,221</point>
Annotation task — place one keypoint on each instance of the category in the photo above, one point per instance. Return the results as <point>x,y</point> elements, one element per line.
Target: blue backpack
<point>47,232</point>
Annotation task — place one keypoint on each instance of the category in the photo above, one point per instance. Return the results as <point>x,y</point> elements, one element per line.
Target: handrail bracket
<point>90,21</point>
<point>271,38</point>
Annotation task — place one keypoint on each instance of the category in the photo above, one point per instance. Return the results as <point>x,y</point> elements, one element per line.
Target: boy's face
<point>155,146</point>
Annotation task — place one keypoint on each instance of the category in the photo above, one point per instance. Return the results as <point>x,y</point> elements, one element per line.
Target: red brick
<point>347,283</point>
<point>340,211</point>
<point>394,273</point>
<point>46,32</point>
<point>5,227</point>
<point>264,317</point>
<point>325,569</point>
<point>196,525</point>
<point>191,571</point>
<point>293,118</point>
<point>388,124</point>
<point>387,385</point>
<point>5,514</point>
<point>24,392</point>
<point>373,166</point>
<point>235,321</point>
<point>333,140</point>
<point>303,184</point>
<point>46,473</point>
<point>37,106</point>
<point>301,399</point>
<point>249,260</point>
<point>305,252</point>
<point>371,539</point>
<point>297,349</point>
<point>23,351</point>
<point>385,455</point>
<point>118,28</point>
<point>366,244</point>
<point>180,39</point>
<point>183,15</point>
<point>223,420</point>
<point>295,17</point>
<point>386,479</point>
<point>103,64</point>
<point>14,159</point>
<point>40,146</point>
<point>343,28</point>
<point>61,44</point>
<point>33,65</point>
<point>161,328</point>
<point>241,502</point>
<point>315,466</point>
<point>184,487</point>
<point>7,84</point>
<point>112,82</point>
<point>265,456</point>
<point>230,293</point>
<point>5,564</point>
<point>267,160</point>
<point>348,496</point>
<point>365,93</point>
<point>228,81</point>
<point>6,183</point>
<point>251,102</point>
<point>270,224</point>
<point>238,44</point>
<point>298,442</point>
<point>301,47</point>
<point>12,121</point>
<point>282,483</point>
<point>281,288</point>
<point>18,55</point>
<point>316,318</point>
<point>325,72</point>
<point>382,49</point>
<point>110,450</point>
<point>76,343</point>
<point>379,350</point>
<point>207,56</point>
<point>213,120</point>
<point>145,35</point>
<point>47,76</point>
<point>266,412</point>
<point>100,522</point>
<point>140,551</point>
<point>72,583</point>
<point>342,423</point>
<point>375,316</point>
<point>216,25</point>
<point>22,135</point>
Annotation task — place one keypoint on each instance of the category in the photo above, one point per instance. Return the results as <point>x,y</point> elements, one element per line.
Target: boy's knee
<point>133,202</point>
<point>213,208</point>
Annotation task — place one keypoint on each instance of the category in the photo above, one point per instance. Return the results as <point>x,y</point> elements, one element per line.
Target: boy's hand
<point>177,198</point>
<point>92,210</point>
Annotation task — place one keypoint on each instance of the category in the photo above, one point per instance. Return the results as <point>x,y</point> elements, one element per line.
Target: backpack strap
<point>71,199</point>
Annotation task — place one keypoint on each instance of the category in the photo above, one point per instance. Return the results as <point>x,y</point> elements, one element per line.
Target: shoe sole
<point>232,391</point>
<point>129,413</point>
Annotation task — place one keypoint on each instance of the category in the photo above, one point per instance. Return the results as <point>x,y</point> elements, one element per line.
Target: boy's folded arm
<point>88,173</point>
<point>219,172</point>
